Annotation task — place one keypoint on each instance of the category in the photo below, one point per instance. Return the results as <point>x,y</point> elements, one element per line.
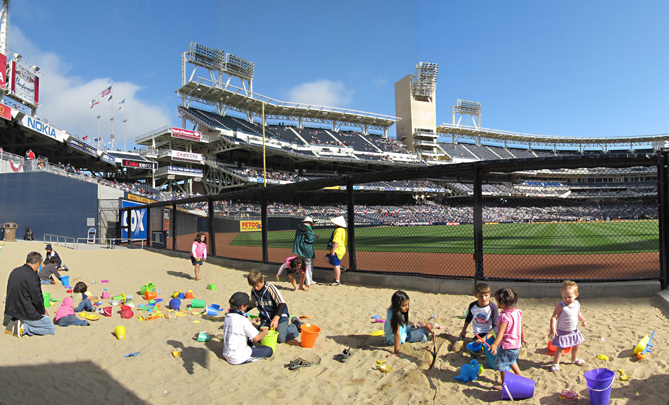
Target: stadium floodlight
<point>209,58</point>
<point>236,66</point>
<point>424,80</point>
<point>468,107</point>
<point>17,56</point>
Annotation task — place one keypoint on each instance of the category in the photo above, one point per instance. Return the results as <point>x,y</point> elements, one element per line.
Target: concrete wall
<point>48,203</point>
<point>628,289</point>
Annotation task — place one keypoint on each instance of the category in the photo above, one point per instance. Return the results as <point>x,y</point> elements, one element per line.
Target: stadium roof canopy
<point>226,96</point>
<point>479,134</point>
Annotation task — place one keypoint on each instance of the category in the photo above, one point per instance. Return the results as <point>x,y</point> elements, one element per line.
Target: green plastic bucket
<point>198,304</point>
<point>270,340</point>
<point>47,300</point>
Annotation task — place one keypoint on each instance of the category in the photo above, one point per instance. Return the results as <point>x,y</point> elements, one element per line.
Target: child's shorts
<point>196,261</point>
<point>334,260</point>
<point>505,358</point>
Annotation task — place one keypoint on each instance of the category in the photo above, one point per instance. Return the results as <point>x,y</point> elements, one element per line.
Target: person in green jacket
<point>303,246</point>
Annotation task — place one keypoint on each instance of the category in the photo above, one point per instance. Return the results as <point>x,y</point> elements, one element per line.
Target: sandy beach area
<point>87,364</point>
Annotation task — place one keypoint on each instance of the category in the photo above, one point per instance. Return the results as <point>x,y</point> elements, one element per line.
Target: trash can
<point>10,231</point>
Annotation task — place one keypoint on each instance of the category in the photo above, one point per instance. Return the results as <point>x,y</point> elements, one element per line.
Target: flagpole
<point>112,111</point>
<point>124,120</point>
<point>98,123</point>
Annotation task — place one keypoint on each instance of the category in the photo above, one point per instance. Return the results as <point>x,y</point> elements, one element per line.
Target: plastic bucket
<point>517,387</point>
<point>181,296</point>
<point>551,348</point>
<point>175,304</point>
<point>198,304</point>
<point>105,295</point>
<point>309,335</point>
<point>150,295</point>
<point>189,295</point>
<point>271,339</point>
<point>213,312</point>
<point>599,382</point>
<point>47,299</point>
<point>126,312</point>
<point>490,358</point>
<point>107,311</point>
<point>65,280</point>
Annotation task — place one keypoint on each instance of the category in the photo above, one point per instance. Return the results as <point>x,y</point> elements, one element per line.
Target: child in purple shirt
<point>511,334</point>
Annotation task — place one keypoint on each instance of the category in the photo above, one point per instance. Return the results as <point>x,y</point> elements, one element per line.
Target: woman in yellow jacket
<point>337,247</point>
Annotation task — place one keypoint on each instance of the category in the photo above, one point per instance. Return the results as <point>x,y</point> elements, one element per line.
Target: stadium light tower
<point>471,108</point>
<point>221,66</point>
<point>424,83</point>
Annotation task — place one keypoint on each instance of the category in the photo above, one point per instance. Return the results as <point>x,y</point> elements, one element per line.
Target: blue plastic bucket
<point>212,311</point>
<point>175,304</point>
<point>474,349</point>
<point>517,387</point>
<point>599,382</point>
<point>490,358</point>
<point>65,280</point>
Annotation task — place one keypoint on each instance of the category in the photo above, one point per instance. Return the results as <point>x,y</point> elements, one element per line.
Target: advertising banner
<point>44,128</point>
<point>138,198</point>
<point>137,222</point>
<point>3,69</point>
<point>139,164</point>
<point>250,226</point>
<point>24,84</point>
<point>186,134</point>
<point>186,156</point>
<point>5,111</point>
<point>109,159</point>
<point>84,147</point>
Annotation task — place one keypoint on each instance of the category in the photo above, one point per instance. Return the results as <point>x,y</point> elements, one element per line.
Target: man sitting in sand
<point>24,309</point>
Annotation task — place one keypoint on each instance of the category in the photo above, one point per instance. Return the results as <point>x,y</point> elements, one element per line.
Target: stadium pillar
<point>663,211</point>
<point>174,226</point>
<point>478,225</point>
<point>350,205</point>
<point>148,226</point>
<point>212,233</point>
<point>263,226</point>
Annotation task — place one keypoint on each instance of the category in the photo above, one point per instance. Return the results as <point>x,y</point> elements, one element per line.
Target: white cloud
<point>322,92</point>
<point>66,98</point>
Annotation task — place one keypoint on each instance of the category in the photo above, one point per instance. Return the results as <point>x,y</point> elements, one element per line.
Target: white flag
<point>95,101</point>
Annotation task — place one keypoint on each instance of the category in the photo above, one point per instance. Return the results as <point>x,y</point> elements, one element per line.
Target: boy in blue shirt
<point>272,309</point>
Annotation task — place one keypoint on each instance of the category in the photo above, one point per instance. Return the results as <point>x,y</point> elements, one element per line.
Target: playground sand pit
<point>89,362</point>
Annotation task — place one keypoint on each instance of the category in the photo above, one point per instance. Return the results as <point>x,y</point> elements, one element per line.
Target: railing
<point>57,240</point>
<point>152,133</point>
<point>110,242</point>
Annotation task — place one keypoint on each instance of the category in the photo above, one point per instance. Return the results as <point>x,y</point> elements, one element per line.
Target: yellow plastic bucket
<point>270,340</point>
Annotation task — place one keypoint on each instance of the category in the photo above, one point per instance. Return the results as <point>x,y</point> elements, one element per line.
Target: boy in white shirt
<point>239,334</point>
<point>482,314</point>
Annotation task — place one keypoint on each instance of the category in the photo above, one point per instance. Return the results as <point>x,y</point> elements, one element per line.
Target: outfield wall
<point>48,203</point>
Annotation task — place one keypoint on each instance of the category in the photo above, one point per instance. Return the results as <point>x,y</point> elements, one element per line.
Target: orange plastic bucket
<point>150,295</point>
<point>188,295</point>
<point>551,348</point>
<point>309,335</point>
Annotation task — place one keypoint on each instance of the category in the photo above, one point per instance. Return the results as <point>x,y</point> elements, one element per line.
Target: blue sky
<point>551,68</point>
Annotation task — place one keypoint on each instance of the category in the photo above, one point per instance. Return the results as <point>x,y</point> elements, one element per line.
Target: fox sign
<point>137,222</point>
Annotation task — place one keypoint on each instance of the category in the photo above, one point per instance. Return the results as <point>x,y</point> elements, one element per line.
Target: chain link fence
<point>587,218</point>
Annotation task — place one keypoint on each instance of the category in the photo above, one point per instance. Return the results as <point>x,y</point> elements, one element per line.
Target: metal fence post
<point>478,225</point>
<point>148,226</point>
<point>263,225</point>
<point>174,226</point>
<point>663,214</point>
<point>212,233</point>
<point>350,205</point>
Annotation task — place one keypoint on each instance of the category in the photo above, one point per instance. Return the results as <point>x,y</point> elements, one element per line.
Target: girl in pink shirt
<point>511,334</point>
<point>198,253</point>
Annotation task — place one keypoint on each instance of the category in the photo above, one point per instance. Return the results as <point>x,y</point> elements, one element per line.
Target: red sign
<point>3,69</point>
<point>185,134</point>
<point>5,112</point>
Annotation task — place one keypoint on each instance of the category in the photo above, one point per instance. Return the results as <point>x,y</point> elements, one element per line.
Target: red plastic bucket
<point>309,335</point>
<point>107,311</point>
<point>126,312</point>
<point>551,348</point>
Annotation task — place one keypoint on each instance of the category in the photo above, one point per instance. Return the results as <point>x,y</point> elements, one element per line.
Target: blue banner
<point>84,147</point>
<point>109,159</point>
<point>138,222</point>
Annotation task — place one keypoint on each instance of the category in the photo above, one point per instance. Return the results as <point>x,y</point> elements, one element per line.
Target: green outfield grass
<point>549,238</point>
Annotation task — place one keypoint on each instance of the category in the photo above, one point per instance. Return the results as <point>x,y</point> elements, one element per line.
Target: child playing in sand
<point>397,319</point>
<point>198,253</point>
<point>564,325</point>
<point>511,334</point>
<point>272,309</point>
<point>482,312</point>
<point>239,335</point>
<point>65,315</point>
<point>83,300</point>
<point>293,265</point>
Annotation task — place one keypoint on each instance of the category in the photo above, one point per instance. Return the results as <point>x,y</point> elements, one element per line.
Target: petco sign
<point>137,222</point>
<point>186,156</point>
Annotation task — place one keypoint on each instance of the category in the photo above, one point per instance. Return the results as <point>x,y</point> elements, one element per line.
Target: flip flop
<point>297,363</point>
<point>344,356</point>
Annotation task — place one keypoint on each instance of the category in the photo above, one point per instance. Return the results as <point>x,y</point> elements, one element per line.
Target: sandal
<point>555,368</point>
<point>297,363</point>
<point>344,356</point>
<point>579,362</point>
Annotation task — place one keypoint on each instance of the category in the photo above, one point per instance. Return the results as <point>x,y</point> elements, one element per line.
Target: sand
<point>88,363</point>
